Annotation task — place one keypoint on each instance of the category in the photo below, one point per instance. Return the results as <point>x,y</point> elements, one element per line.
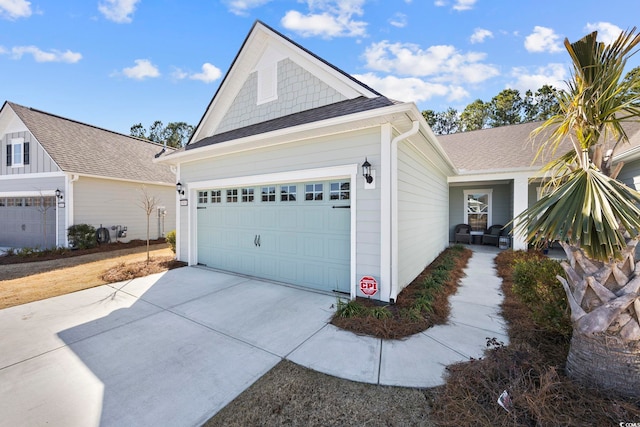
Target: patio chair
<point>492,235</point>
<point>462,233</point>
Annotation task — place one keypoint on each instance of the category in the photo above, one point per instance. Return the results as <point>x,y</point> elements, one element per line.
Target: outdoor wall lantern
<point>366,171</point>
<point>179,189</point>
<point>59,194</point>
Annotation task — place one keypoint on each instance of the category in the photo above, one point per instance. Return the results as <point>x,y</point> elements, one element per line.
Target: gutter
<point>393,292</point>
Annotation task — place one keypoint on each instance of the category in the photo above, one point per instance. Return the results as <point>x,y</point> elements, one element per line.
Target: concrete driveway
<point>169,349</point>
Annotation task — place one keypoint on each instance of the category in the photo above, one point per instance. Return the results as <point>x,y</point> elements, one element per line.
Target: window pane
<point>17,154</point>
<point>313,192</point>
<point>339,191</point>
<point>203,197</point>
<point>247,195</point>
<point>216,196</point>
<point>232,195</point>
<point>288,193</point>
<point>478,211</point>
<point>268,194</point>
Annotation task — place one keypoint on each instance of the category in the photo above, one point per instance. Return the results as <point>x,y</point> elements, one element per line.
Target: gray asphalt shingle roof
<point>84,149</point>
<point>342,108</point>
<point>509,147</point>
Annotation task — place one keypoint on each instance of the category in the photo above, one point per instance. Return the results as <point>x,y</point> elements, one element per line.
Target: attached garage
<point>27,222</point>
<point>295,233</point>
<point>299,173</point>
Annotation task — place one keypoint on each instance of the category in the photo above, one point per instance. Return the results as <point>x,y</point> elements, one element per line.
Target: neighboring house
<point>497,169</point>
<point>56,172</point>
<point>274,185</point>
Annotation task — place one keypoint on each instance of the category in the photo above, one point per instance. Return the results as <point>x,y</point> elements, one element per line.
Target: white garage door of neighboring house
<point>28,222</point>
<point>294,233</point>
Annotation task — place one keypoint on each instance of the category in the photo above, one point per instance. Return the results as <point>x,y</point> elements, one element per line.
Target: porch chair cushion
<point>492,235</point>
<point>462,233</point>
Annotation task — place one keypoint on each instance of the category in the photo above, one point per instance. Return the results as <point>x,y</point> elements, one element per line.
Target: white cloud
<point>442,63</point>
<point>179,74</point>
<point>457,4</point>
<point>14,9</point>
<point>607,32</point>
<point>553,74</point>
<point>411,89</point>
<point>3,50</point>
<point>241,7</point>
<point>41,56</point>
<point>464,4</point>
<point>543,39</point>
<point>210,73</point>
<point>142,70</point>
<point>119,11</point>
<point>398,20</point>
<point>327,19</point>
<point>479,35</point>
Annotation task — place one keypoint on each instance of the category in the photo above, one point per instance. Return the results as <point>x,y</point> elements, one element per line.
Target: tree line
<point>174,134</point>
<point>506,108</point>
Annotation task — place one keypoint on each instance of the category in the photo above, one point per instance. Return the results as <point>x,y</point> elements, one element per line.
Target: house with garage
<point>299,173</point>
<point>56,172</point>
<point>498,174</point>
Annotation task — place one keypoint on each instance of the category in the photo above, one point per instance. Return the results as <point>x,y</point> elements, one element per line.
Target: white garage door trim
<point>344,171</point>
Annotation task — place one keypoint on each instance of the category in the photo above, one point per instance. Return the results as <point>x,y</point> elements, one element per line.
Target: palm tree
<point>595,217</point>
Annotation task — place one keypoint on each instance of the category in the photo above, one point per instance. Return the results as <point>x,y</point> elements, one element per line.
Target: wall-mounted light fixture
<point>179,189</point>
<point>366,171</point>
<point>59,194</point>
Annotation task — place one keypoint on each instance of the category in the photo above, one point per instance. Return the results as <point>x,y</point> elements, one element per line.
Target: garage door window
<point>313,191</point>
<point>203,197</point>
<point>3,202</point>
<point>268,194</point>
<point>14,202</point>
<point>232,196</point>
<point>288,193</point>
<point>247,195</point>
<point>339,191</point>
<point>216,196</point>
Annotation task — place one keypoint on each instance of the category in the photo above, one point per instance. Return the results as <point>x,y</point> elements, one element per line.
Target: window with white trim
<point>203,197</point>
<point>17,153</point>
<point>268,194</point>
<point>216,196</point>
<point>477,209</point>
<point>339,190</point>
<point>247,195</point>
<point>313,191</point>
<point>288,193</point>
<point>232,195</point>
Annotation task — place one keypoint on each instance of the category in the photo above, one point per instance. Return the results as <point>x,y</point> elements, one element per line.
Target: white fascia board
<point>133,181</point>
<point>33,176</point>
<point>43,193</point>
<point>364,119</point>
<point>495,175</point>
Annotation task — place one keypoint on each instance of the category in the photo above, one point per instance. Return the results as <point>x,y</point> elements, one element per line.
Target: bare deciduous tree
<point>148,203</point>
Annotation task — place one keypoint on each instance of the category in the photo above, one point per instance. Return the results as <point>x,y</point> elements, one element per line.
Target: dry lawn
<point>62,281</point>
<point>292,395</point>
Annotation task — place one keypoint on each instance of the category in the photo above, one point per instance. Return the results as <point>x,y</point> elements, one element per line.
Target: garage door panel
<point>302,242</point>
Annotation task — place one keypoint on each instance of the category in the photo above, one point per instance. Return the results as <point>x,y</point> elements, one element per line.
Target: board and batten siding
<point>335,150</point>
<point>110,202</point>
<point>423,206</point>
<point>39,160</point>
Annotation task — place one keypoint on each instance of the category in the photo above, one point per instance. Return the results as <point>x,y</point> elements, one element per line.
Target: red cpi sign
<point>368,285</point>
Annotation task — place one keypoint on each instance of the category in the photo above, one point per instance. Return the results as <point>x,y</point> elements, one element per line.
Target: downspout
<point>393,293</point>
<point>68,192</point>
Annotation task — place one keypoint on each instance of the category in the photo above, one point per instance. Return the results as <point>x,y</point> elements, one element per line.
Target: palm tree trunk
<point>605,362</point>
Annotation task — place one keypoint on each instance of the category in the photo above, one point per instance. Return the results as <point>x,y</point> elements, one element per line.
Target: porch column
<point>520,203</point>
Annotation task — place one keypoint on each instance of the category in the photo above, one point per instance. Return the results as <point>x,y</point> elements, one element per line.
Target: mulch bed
<point>68,253</point>
<point>397,326</point>
<point>128,271</point>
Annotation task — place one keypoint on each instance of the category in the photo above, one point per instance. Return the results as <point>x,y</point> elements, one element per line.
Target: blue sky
<point>114,63</point>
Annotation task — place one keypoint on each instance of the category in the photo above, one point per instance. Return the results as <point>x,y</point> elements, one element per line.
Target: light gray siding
<point>423,203</point>
<point>110,203</point>
<point>630,171</point>
<point>39,160</point>
<point>298,90</point>
<point>336,150</point>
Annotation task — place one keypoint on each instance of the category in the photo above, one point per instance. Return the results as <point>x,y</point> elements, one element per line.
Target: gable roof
<point>85,149</point>
<point>507,148</point>
<point>263,42</point>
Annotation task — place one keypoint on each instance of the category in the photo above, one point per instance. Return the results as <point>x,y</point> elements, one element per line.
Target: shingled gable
<point>341,94</point>
<point>80,148</point>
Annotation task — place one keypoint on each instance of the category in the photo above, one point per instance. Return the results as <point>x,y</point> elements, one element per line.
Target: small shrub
<point>171,240</point>
<point>350,309</point>
<point>82,236</point>
<point>535,283</point>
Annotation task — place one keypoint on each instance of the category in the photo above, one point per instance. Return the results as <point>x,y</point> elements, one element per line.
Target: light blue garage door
<point>294,233</point>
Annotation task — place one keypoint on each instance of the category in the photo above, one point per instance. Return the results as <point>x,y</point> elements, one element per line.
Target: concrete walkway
<point>174,348</point>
